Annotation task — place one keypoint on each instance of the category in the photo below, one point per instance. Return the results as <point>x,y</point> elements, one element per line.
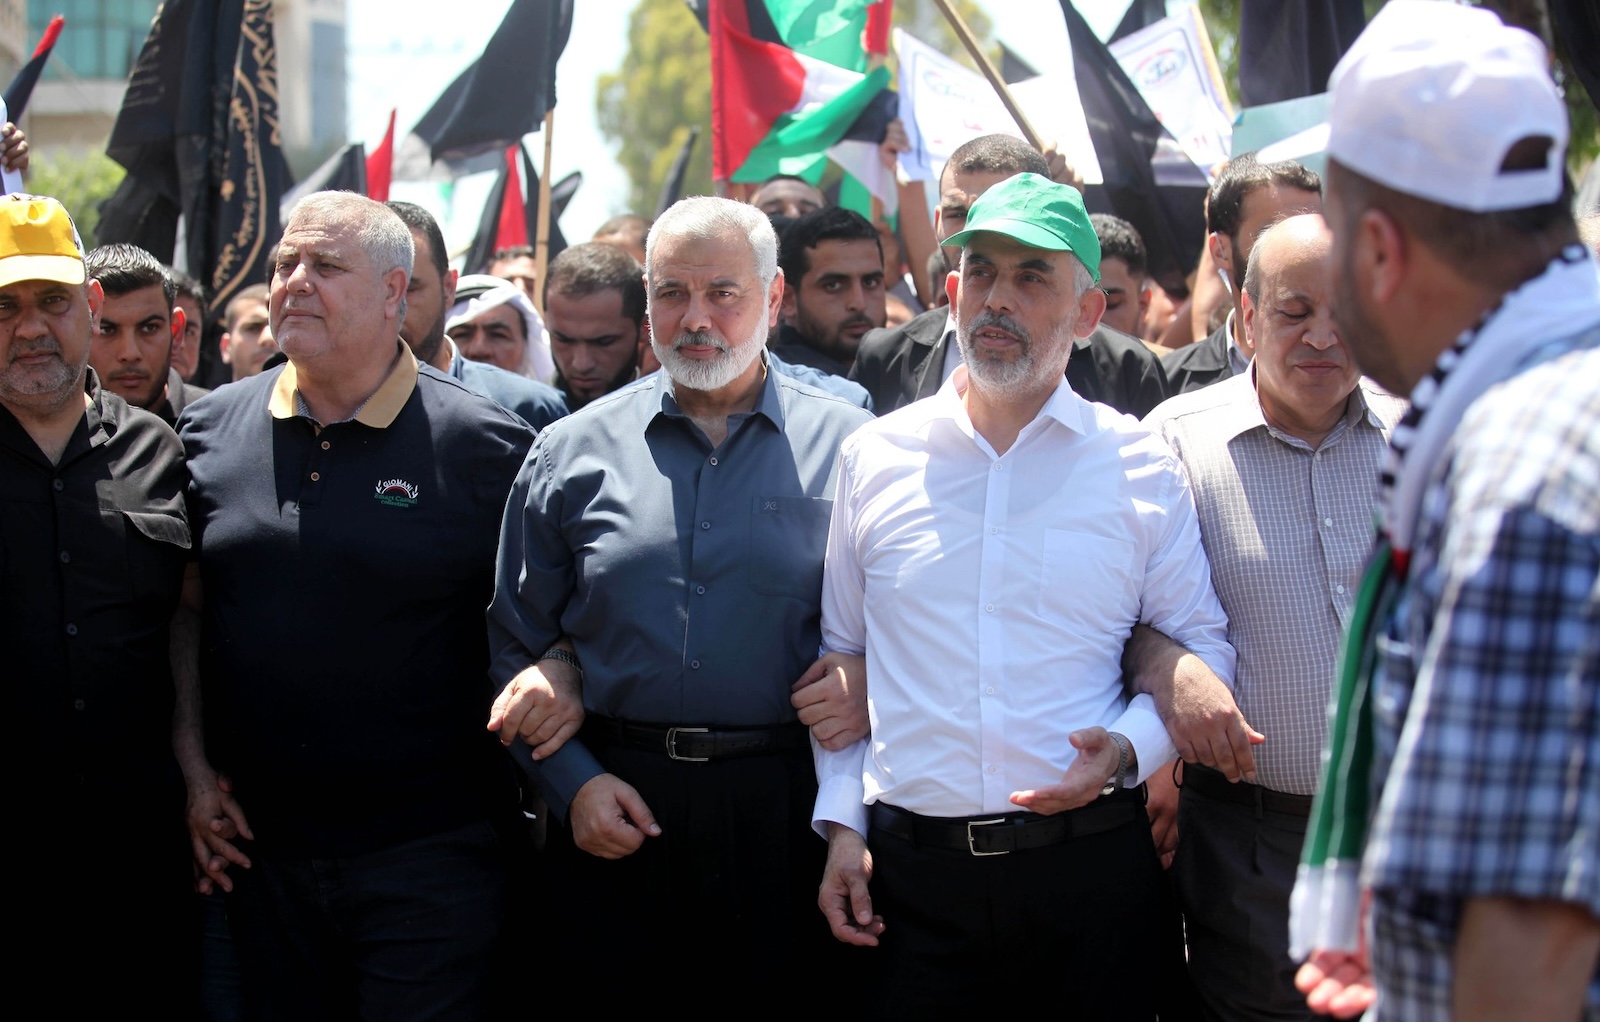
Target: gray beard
<point>706,375</point>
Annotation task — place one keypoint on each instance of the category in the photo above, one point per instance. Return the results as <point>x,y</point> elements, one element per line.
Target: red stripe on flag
<point>52,32</point>
<point>380,165</point>
<point>753,83</point>
<point>513,228</point>
<point>875,38</point>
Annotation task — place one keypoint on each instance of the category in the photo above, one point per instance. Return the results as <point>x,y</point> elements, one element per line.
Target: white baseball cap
<point>1431,97</point>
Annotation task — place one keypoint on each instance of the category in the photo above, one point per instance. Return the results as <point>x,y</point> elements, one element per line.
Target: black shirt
<point>346,570</point>
<point>92,552</point>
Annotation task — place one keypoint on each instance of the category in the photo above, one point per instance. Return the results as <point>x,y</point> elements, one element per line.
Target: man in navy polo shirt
<point>346,508</point>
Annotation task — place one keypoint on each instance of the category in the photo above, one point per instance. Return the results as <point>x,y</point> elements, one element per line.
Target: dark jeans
<point>1083,924</point>
<point>411,931</point>
<point>1235,868</point>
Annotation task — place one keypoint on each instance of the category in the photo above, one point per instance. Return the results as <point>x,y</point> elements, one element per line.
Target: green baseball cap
<point>1037,212</point>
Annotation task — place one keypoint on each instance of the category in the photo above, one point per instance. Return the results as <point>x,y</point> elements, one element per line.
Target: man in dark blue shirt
<point>673,531</point>
<point>345,509</point>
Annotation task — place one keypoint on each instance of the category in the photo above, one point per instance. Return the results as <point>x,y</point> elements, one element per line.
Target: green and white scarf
<point>1325,909</point>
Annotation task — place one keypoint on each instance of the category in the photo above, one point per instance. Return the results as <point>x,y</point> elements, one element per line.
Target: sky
<point>402,54</point>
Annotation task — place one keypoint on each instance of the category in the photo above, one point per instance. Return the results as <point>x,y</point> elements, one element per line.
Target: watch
<point>1125,774</point>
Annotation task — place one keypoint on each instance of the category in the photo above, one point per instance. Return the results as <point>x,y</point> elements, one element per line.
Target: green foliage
<point>80,182</point>
<point>1222,21</point>
<point>646,106</point>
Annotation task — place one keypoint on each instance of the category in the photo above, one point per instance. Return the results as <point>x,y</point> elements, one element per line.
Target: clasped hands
<point>543,705</point>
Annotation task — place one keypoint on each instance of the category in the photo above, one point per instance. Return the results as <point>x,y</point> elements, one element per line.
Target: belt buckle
<point>972,846</point>
<point>672,744</point>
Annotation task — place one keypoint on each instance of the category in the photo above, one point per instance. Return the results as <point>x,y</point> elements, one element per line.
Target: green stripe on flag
<point>828,30</point>
<point>802,139</point>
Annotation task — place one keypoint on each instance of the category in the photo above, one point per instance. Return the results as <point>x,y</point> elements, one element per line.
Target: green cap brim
<point>1030,234</point>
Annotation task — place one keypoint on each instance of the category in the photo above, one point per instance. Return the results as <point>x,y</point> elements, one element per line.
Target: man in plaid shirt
<point>1460,282</point>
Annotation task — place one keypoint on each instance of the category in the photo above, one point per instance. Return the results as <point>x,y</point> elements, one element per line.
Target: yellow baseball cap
<point>38,241</point>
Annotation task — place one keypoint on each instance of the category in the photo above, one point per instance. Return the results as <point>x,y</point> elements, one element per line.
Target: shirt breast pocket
<point>1087,581</point>
<point>788,537</point>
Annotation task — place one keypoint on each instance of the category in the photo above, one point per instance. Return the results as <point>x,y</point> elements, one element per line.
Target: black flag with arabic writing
<point>198,133</point>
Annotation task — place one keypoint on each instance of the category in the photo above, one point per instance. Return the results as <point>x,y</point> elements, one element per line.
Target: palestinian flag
<point>775,110</point>
<point>845,33</point>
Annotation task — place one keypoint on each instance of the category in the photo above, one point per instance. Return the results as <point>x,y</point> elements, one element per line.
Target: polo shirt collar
<point>379,411</point>
<point>768,404</point>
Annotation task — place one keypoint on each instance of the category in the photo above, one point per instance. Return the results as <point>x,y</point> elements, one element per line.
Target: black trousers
<point>1083,924</point>
<point>422,929</point>
<point>1235,869</point>
<point>723,901</point>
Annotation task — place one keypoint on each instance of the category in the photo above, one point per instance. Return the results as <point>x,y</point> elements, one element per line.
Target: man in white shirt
<point>991,550</point>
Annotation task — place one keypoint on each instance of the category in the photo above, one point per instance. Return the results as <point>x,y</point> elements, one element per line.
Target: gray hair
<point>708,217</point>
<point>380,232</point>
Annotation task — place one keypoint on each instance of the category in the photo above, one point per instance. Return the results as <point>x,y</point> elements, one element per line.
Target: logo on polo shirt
<point>396,493</point>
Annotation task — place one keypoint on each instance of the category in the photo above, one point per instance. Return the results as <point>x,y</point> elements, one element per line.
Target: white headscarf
<point>477,293</point>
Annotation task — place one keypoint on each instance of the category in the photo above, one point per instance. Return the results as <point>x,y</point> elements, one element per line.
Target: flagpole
<point>541,246</point>
<point>987,67</point>
<point>1211,60</point>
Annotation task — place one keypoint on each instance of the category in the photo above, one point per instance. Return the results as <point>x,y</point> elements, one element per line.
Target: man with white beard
<point>673,532</point>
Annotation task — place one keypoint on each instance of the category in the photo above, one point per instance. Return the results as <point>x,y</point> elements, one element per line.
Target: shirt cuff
<point>1142,726</point>
<point>561,774</point>
<point>840,800</point>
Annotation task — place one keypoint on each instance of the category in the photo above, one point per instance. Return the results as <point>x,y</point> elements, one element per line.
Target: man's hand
<point>843,896</point>
<point>1205,722</point>
<point>1161,802</point>
<point>543,704</point>
<point>895,141</point>
<point>1194,704</point>
<point>215,819</point>
<point>832,699</point>
<point>1337,983</point>
<point>14,154</point>
<point>1081,784</point>
<point>1061,172</point>
<point>609,819</point>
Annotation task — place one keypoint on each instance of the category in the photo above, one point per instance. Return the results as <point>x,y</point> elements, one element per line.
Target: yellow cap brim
<point>58,268</point>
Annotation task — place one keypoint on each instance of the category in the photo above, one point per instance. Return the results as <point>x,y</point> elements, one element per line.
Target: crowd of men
<point>749,602</point>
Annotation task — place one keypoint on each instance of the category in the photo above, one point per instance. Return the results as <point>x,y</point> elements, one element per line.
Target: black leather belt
<point>1214,785</point>
<point>695,744</point>
<point>1008,832</point>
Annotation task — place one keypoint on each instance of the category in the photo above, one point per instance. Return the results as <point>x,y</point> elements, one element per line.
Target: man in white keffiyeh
<point>1467,711</point>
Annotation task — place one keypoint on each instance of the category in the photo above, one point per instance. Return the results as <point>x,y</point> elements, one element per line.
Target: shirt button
<point>993,530</point>
<point>72,629</point>
<point>315,476</point>
<point>1328,522</point>
<point>713,459</point>
<point>999,467</point>
<point>58,485</point>
<point>989,691</point>
<point>78,704</point>
<point>701,590</point>
<point>705,525</point>
<point>694,665</point>
<point>326,445</point>
<point>993,769</point>
<point>989,607</point>
<point>66,558</point>
<point>1339,590</point>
